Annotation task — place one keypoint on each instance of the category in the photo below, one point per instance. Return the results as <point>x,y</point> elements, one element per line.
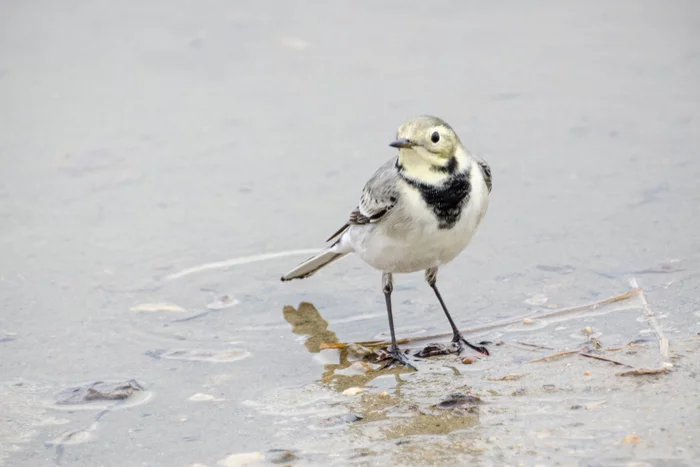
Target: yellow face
<point>427,136</point>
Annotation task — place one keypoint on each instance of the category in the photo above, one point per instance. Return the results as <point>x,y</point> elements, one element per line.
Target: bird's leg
<point>396,355</point>
<point>457,339</point>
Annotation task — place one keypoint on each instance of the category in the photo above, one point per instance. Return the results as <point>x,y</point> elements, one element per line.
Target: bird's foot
<point>396,357</point>
<point>458,340</point>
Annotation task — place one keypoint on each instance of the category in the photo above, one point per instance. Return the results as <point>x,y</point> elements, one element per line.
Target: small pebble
<point>467,361</point>
<point>528,321</point>
<point>353,391</point>
<point>587,373</point>
<point>384,395</point>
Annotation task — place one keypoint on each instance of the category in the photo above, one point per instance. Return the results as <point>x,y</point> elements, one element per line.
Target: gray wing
<point>486,171</point>
<point>379,196</point>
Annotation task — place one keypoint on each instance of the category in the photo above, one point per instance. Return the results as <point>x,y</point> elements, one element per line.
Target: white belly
<point>409,239</point>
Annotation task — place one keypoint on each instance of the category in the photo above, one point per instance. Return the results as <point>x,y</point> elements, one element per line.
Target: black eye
<point>435,137</point>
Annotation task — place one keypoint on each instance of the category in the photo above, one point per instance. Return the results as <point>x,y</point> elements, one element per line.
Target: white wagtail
<point>417,212</point>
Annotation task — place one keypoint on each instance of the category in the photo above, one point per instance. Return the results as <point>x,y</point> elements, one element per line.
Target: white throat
<point>420,164</point>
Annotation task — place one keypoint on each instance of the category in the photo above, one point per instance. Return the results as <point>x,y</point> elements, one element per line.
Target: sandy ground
<point>154,154</point>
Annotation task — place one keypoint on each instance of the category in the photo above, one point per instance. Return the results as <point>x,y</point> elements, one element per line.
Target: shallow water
<point>162,164</point>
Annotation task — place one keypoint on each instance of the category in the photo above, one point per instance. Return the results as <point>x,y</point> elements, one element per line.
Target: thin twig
<point>605,359</point>
<point>663,341</point>
<point>496,325</point>
<point>617,349</point>
<point>541,347</point>
<point>643,371</point>
<point>554,355</point>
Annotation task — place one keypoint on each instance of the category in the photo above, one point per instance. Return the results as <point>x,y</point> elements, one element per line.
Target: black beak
<point>402,143</point>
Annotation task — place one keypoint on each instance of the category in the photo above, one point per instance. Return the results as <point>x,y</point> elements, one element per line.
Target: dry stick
<point>581,353</point>
<point>598,357</point>
<point>663,341</point>
<point>535,346</point>
<point>496,325</point>
<point>616,349</point>
<point>663,345</point>
<point>643,371</point>
<point>554,355</point>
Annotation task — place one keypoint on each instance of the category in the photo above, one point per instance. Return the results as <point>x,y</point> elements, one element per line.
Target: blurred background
<point>154,154</point>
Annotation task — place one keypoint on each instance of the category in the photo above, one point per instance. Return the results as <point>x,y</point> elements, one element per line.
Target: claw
<point>397,357</point>
<point>458,340</point>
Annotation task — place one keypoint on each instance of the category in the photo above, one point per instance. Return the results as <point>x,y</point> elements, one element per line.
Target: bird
<point>418,212</point>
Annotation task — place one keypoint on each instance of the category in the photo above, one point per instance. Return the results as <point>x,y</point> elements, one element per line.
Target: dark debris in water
<point>643,339</point>
<point>459,400</point>
<point>280,456</point>
<point>435,349</point>
<point>98,391</point>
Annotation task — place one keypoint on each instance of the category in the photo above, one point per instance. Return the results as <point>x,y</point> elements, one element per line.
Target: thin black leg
<point>387,298</point>
<point>396,355</point>
<point>431,277</point>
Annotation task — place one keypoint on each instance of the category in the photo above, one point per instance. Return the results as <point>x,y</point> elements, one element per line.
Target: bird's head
<point>427,140</point>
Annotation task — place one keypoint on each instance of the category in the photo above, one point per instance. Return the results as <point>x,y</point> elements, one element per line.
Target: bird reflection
<point>358,366</point>
<point>307,321</point>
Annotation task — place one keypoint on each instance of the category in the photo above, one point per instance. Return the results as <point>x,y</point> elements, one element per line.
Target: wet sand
<point>162,164</point>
